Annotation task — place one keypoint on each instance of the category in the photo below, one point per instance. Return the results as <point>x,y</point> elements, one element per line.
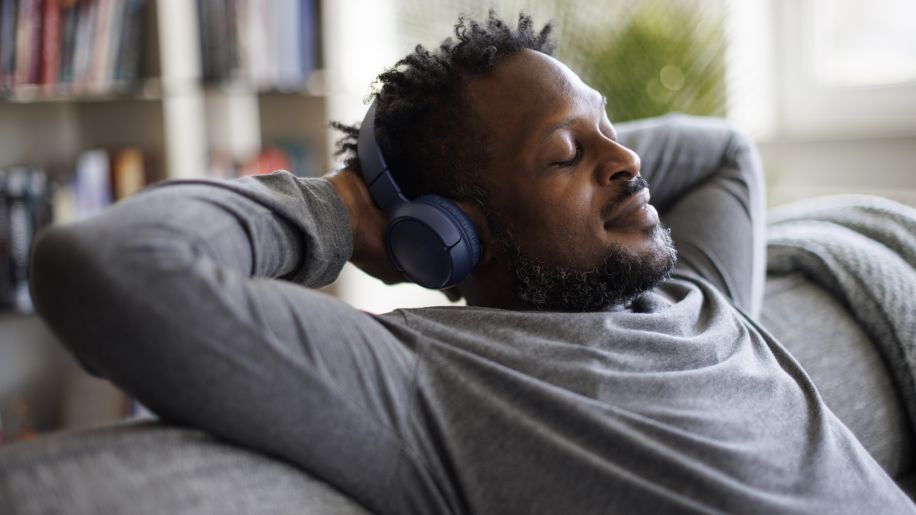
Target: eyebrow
<point>566,122</point>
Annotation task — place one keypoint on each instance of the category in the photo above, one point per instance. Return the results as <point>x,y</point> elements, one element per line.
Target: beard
<point>614,283</point>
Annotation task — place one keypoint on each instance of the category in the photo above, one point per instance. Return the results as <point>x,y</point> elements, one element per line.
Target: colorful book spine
<point>24,22</point>
<point>50,43</point>
<point>90,46</point>
<point>7,43</point>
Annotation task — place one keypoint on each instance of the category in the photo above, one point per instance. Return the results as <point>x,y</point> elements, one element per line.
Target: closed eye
<point>571,161</point>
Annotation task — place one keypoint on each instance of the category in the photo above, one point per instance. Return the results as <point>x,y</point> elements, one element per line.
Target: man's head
<point>496,123</point>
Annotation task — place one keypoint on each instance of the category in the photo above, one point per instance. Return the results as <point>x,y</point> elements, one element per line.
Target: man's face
<point>569,207</point>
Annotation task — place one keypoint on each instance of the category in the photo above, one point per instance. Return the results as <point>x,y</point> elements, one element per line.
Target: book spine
<point>127,173</point>
<point>100,45</point>
<point>23,41</point>
<point>50,43</point>
<point>34,42</point>
<point>231,41</point>
<point>287,28</point>
<point>219,32</point>
<point>307,38</point>
<point>82,50</point>
<point>6,268</point>
<point>7,43</point>
<point>92,186</point>
<point>20,236</point>
<point>69,18</point>
<point>258,44</point>
<point>127,67</point>
<point>206,52</point>
<point>115,27</point>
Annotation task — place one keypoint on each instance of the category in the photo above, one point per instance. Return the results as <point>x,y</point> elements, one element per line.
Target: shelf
<point>148,90</point>
<point>314,87</point>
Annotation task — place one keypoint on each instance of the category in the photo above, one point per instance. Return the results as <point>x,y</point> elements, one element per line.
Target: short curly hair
<point>425,126</point>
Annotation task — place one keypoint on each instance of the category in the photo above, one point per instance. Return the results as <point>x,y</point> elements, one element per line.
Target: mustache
<point>630,188</point>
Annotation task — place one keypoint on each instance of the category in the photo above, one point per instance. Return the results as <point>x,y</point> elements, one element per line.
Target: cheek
<point>561,227</point>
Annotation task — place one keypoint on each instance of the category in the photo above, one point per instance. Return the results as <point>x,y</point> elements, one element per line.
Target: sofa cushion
<point>850,374</point>
<point>145,467</point>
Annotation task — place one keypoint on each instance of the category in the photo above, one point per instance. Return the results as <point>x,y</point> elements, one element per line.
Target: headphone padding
<point>464,224</point>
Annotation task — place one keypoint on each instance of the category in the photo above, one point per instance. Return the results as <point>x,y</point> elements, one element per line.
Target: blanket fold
<point>862,249</point>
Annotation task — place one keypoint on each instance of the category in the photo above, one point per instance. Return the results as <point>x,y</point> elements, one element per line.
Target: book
<point>82,46</point>
<point>50,43</point>
<point>24,210</point>
<point>20,235</point>
<point>69,16</point>
<point>91,183</point>
<point>6,270</point>
<point>101,42</point>
<point>27,28</point>
<point>7,43</point>
<point>286,28</point>
<point>128,173</point>
<point>308,40</point>
<point>127,63</point>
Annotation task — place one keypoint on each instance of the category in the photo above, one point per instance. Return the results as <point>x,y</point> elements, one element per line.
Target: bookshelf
<point>179,120</point>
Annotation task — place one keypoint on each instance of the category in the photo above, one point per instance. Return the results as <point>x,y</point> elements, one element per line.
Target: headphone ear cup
<point>465,225</point>
<point>432,242</point>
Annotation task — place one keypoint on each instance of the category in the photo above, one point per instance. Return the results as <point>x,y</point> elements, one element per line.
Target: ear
<point>475,213</point>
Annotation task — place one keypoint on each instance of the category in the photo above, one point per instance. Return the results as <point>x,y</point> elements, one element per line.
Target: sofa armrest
<point>146,467</point>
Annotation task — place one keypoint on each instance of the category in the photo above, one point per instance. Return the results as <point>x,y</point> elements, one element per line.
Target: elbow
<point>89,281</point>
<point>58,261</point>
<point>60,270</point>
<point>79,280</point>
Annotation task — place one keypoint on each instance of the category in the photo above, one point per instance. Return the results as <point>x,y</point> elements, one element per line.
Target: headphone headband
<point>382,188</point>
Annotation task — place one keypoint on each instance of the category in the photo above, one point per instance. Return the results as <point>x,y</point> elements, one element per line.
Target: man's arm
<point>708,186</point>
<point>168,295</point>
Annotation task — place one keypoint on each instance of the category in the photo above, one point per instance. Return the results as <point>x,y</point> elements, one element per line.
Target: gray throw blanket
<point>862,249</point>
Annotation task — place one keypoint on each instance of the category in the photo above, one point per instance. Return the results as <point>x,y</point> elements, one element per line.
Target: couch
<point>147,466</point>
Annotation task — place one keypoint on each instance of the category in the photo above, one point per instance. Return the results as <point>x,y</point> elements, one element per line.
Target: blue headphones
<point>430,240</point>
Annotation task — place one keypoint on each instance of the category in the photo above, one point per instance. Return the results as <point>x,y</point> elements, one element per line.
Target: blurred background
<point>99,98</point>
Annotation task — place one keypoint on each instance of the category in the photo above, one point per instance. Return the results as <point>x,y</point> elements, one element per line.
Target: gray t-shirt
<point>680,403</point>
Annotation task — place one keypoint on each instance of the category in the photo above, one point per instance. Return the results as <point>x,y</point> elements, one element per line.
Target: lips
<point>634,203</point>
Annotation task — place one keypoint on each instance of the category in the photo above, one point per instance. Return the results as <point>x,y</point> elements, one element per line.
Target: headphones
<point>430,240</point>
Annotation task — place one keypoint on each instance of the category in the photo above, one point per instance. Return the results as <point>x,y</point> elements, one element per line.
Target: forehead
<point>523,93</point>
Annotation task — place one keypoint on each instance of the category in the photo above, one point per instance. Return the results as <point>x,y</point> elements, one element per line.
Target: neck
<point>491,286</point>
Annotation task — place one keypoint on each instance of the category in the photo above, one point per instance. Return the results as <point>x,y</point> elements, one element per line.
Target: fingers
<point>453,294</point>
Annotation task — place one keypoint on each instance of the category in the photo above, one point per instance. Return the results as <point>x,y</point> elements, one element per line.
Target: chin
<point>623,275</point>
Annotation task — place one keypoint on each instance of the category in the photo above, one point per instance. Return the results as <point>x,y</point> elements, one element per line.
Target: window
<point>865,43</point>
<point>846,67</point>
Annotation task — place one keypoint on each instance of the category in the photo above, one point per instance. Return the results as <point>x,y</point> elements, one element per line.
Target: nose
<point>618,164</point>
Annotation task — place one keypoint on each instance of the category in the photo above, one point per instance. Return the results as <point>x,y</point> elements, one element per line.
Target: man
<point>582,379</point>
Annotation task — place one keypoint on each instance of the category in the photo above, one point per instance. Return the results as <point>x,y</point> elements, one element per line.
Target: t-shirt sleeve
<point>190,297</point>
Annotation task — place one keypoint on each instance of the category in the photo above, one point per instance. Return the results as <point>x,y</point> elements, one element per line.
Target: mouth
<point>634,210</point>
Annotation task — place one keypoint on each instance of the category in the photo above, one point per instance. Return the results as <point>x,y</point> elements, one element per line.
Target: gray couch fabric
<point>144,467</point>
<point>850,374</point>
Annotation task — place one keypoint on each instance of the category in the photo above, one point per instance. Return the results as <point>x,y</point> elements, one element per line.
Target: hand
<point>368,224</point>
